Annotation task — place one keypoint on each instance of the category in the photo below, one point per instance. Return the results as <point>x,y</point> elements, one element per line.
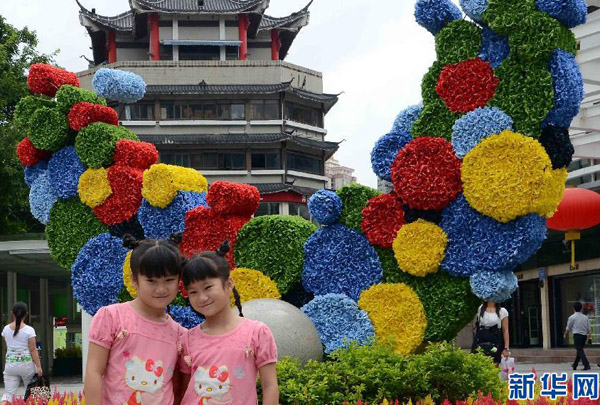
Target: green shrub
<point>371,373</point>
<point>68,353</point>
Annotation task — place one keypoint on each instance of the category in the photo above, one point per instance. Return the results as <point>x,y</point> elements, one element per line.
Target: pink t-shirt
<point>224,368</point>
<point>143,355</point>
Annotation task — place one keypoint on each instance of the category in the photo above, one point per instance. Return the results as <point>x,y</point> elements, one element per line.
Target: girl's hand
<point>40,372</point>
<point>505,353</point>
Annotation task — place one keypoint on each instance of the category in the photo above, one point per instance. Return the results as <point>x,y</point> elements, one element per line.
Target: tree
<point>17,53</point>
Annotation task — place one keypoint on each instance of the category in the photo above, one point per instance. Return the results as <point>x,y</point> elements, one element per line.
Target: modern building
<point>220,96</point>
<point>339,176</point>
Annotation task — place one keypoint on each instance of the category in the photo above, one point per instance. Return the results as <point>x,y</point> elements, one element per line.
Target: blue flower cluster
<point>479,243</point>
<point>406,118</point>
<point>385,151</point>
<point>42,198</point>
<point>119,85</point>
<point>558,146</point>
<point>33,172</point>
<point>474,8</point>
<point>494,286</point>
<point>339,260</point>
<point>568,89</point>
<point>97,274</point>
<point>160,223</point>
<point>494,47</point>
<point>569,12</point>
<point>185,316</point>
<point>433,15</point>
<point>325,207</point>
<point>473,127</point>
<point>339,321</point>
<point>64,171</point>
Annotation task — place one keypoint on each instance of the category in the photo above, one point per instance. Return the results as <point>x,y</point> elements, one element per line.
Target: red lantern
<point>579,209</point>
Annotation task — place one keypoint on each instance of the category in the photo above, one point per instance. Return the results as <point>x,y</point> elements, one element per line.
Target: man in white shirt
<point>579,325</point>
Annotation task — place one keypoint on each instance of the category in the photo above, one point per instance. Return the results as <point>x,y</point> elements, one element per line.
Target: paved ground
<point>74,384</point>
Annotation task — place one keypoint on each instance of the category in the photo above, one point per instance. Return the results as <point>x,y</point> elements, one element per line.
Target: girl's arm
<point>180,384</point>
<point>35,356</point>
<point>268,381</point>
<point>96,364</point>
<point>506,335</point>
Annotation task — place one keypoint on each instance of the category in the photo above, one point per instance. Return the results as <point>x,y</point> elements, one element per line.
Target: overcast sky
<point>372,51</point>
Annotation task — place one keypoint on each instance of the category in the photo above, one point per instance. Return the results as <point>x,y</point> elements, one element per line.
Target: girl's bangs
<point>159,261</point>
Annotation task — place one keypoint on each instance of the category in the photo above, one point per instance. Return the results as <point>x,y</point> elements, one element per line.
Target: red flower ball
<point>140,155</point>
<point>126,197</point>
<point>182,289</point>
<point>83,114</point>
<point>382,218</point>
<point>46,79</point>
<point>233,198</point>
<point>467,85</point>
<point>29,155</point>
<point>426,174</point>
<point>205,230</point>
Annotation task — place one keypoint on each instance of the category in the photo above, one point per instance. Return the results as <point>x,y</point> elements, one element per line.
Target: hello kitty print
<point>143,377</point>
<point>212,385</point>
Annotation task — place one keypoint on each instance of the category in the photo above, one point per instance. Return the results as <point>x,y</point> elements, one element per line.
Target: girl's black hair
<point>154,258</point>
<point>484,307</point>
<point>210,265</point>
<point>19,310</point>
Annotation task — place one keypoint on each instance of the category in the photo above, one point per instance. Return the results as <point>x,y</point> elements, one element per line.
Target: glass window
<point>199,52</point>
<point>233,161</point>
<point>210,111</point>
<point>271,109</point>
<point>196,111</point>
<point>584,289</point>
<point>141,111</point>
<point>174,158</point>
<point>304,115</point>
<point>266,160</point>
<point>211,161</point>
<point>224,111</point>
<point>264,109</point>
<point>257,110</point>
<point>238,111</point>
<point>267,208</point>
<point>231,52</point>
<point>167,111</point>
<point>304,163</point>
<point>300,210</point>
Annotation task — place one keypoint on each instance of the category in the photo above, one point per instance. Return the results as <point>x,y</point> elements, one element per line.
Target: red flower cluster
<point>382,218</point>
<point>140,155</point>
<point>83,114</point>
<point>426,174</point>
<point>126,197</point>
<point>467,85</point>
<point>205,230</point>
<point>233,198</point>
<point>29,155</point>
<point>45,79</point>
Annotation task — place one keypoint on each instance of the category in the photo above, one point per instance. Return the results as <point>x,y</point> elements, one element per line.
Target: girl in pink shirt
<point>133,353</point>
<point>225,353</point>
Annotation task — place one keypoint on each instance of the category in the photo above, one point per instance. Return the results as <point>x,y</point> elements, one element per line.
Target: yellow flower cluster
<point>162,182</point>
<point>397,315</point>
<point>127,278</point>
<point>509,175</point>
<point>419,247</point>
<point>94,187</point>
<point>252,284</point>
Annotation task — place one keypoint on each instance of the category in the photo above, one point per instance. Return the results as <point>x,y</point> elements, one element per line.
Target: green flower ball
<point>436,121</point>
<point>458,41</point>
<point>26,107</point>
<point>429,82</point>
<point>354,198</point>
<point>49,129</point>
<point>95,144</point>
<point>67,96</point>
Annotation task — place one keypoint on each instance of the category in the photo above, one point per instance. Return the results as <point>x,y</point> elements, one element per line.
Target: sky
<point>374,52</point>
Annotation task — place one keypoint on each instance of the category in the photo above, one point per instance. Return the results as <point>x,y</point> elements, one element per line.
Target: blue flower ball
<point>385,151</point>
<point>494,286</point>
<point>339,321</point>
<point>325,207</point>
<point>64,170</point>
<point>433,15</point>
<point>406,118</point>
<point>473,127</point>
<point>474,9</point>
<point>339,260</point>
<point>97,274</point>
<point>119,85</point>
<point>33,172</point>
<point>185,316</point>
<point>494,47</point>
<point>41,198</point>
<point>569,12</point>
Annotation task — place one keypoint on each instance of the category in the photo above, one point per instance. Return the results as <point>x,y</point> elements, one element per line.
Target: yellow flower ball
<point>162,182</point>
<point>552,192</point>
<point>94,187</point>
<point>127,278</point>
<point>253,284</point>
<point>419,247</point>
<point>509,175</point>
<point>397,315</point>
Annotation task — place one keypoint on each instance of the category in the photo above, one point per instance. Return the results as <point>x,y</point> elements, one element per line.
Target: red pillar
<point>111,46</point>
<point>154,36</point>
<point>275,45</point>
<point>243,24</point>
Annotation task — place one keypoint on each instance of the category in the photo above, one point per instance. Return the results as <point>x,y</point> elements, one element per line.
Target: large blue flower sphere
<point>470,129</point>
<point>64,170</point>
<point>569,12</point>
<point>433,15</point>
<point>325,207</point>
<point>406,118</point>
<point>33,172</point>
<point>494,286</point>
<point>119,85</point>
<point>41,198</point>
<point>385,151</point>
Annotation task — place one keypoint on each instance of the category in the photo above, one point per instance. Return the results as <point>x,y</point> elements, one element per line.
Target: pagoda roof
<point>328,100</point>
<point>119,22</point>
<point>292,22</point>
<point>197,7</point>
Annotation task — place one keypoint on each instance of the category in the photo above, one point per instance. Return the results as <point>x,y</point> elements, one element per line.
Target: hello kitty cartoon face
<point>145,376</point>
<point>212,382</point>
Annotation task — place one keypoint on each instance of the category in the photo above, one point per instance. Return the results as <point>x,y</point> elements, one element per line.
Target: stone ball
<point>295,334</point>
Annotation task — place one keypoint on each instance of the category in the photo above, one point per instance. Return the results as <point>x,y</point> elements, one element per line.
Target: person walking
<point>579,325</point>
<point>22,359</point>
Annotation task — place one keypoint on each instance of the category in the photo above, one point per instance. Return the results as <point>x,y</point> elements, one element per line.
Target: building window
<point>231,52</point>
<point>199,52</point>
<point>231,110</point>
<point>266,160</point>
<point>202,110</point>
<point>304,163</point>
<point>234,160</point>
<point>166,51</point>
<point>300,210</point>
<point>267,208</point>
<point>173,158</point>
<point>264,110</point>
<point>141,112</point>
<point>303,115</point>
